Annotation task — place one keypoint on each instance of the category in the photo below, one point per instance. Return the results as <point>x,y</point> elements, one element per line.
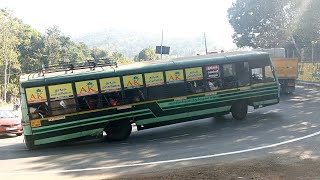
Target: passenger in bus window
<point>196,86</point>
<point>39,110</point>
<point>92,103</point>
<point>214,84</point>
<point>114,98</point>
<point>89,102</point>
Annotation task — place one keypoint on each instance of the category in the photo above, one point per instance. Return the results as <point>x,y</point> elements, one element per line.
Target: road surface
<point>273,139</point>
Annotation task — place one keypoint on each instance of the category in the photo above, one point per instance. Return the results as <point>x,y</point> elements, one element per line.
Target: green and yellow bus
<point>75,103</point>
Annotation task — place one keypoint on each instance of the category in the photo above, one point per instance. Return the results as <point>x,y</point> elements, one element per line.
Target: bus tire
<point>239,110</point>
<point>118,130</point>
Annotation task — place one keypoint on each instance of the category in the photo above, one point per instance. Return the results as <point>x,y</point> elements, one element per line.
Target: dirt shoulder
<point>270,168</point>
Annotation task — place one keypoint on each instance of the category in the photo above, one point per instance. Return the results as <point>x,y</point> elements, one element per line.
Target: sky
<point>177,18</point>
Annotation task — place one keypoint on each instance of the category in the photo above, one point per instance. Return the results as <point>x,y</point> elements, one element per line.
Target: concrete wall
<point>309,72</point>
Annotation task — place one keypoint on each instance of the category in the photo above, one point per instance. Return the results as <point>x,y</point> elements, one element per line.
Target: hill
<point>130,43</point>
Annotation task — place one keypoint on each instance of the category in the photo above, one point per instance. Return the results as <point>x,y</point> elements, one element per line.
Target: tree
<point>31,48</point>
<point>60,48</point>
<point>259,23</point>
<point>146,54</point>
<point>9,28</point>
<point>119,58</point>
<point>97,53</point>
<point>53,45</point>
<point>275,23</point>
<point>306,33</point>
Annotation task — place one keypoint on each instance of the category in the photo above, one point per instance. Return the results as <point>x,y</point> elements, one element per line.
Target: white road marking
<point>166,161</point>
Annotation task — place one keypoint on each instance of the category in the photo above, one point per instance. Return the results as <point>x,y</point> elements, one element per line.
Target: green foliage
<point>9,64</point>
<point>97,53</point>
<point>275,23</point>
<point>23,49</point>
<point>306,31</point>
<point>31,48</point>
<point>60,48</point>
<point>259,23</point>
<point>146,54</point>
<point>120,58</point>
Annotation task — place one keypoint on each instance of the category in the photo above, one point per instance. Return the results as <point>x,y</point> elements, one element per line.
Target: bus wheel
<point>118,130</point>
<point>239,110</point>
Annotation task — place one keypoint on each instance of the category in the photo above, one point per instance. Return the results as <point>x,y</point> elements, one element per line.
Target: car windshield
<point>6,114</point>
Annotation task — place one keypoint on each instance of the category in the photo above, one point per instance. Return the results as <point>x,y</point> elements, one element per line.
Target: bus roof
<point>37,79</point>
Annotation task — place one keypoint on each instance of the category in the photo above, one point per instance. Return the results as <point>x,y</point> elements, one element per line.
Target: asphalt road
<point>288,129</point>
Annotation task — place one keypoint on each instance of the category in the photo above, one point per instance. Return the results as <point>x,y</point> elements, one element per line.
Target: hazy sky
<point>178,18</point>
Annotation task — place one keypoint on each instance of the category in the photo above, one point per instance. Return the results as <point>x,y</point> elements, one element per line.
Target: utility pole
<point>205,42</point>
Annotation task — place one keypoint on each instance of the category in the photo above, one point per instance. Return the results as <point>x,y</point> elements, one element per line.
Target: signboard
<point>174,76</point>
<point>154,79</point>
<point>213,71</point>
<point>85,88</point>
<point>132,81</point>
<point>36,94</point>
<point>61,91</point>
<point>110,84</point>
<point>193,74</point>
<point>165,50</point>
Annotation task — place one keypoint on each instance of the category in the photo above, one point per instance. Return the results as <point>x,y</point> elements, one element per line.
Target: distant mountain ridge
<point>131,43</point>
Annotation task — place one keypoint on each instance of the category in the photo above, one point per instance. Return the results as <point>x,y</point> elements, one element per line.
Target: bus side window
<point>134,95</point>
<point>89,102</point>
<point>261,71</point>
<point>269,77</point>
<point>175,90</point>
<point>111,99</point>
<point>256,75</point>
<point>62,106</point>
<point>38,110</point>
<point>214,84</point>
<point>196,86</point>
<point>213,77</point>
<point>243,73</point>
<point>61,99</point>
<point>157,92</point>
<point>229,76</point>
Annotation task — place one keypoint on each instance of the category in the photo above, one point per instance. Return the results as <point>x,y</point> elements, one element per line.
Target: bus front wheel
<point>239,110</point>
<point>118,130</point>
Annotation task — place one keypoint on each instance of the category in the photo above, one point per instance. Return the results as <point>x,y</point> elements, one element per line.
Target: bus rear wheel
<point>118,130</point>
<point>239,110</point>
